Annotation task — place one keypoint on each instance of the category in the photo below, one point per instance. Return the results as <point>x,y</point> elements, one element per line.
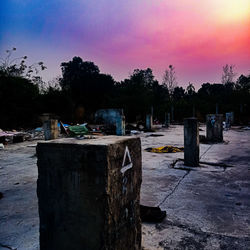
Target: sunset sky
<point>197,37</point>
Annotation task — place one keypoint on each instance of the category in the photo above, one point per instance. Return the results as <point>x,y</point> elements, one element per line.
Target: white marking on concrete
<point>128,166</point>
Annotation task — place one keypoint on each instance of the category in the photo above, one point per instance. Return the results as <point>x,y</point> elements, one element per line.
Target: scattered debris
<point>18,138</point>
<point>1,146</point>
<point>202,139</point>
<point>63,128</point>
<point>152,214</point>
<point>166,149</point>
<point>1,195</point>
<point>82,137</point>
<point>154,135</point>
<point>78,129</point>
<point>135,132</point>
<point>130,126</point>
<point>11,136</point>
<point>140,126</point>
<point>7,137</point>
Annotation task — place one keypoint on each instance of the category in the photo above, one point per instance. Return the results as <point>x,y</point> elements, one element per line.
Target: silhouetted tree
<point>190,90</point>
<point>135,94</point>
<point>243,83</point>
<point>19,91</point>
<point>85,84</point>
<point>169,79</point>
<point>228,74</point>
<point>74,72</point>
<point>18,102</point>
<point>83,87</point>
<point>17,66</point>
<point>143,78</point>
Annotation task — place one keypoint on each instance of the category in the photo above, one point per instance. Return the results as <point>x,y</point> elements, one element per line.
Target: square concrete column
<point>172,113</point>
<point>217,109</point>
<point>89,193</point>
<point>120,125</point>
<point>232,118</point>
<point>229,119</point>
<point>50,128</point>
<point>149,121</point>
<point>191,142</point>
<point>167,119</point>
<point>214,127</point>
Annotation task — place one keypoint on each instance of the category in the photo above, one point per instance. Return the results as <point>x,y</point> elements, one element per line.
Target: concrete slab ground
<point>207,208</point>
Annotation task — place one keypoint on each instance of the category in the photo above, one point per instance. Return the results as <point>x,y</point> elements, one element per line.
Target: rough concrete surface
<point>207,207</point>
<point>88,196</point>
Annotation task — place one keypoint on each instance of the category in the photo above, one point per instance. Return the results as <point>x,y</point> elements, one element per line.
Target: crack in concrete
<point>176,186</point>
<point>205,151</point>
<point>198,232</point>
<point>215,164</point>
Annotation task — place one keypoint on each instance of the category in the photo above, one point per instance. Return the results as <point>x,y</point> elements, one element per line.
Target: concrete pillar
<point>228,119</point>
<point>217,109</point>
<point>167,119</point>
<point>149,121</point>
<point>50,128</point>
<point>191,142</point>
<point>89,193</point>
<point>232,118</point>
<point>172,113</point>
<point>214,127</point>
<point>120,125</point>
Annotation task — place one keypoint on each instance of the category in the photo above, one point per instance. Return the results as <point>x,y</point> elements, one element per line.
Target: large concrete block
<point>113,119</point>
<point>167,119</point>
<point>45,117</point>
<point>214,126</point>
<point>89,193</point>
<point>149,121</point>
<point>191,142</point>
<point>120,125</point>
<point>50,128</point>
<point>108,116</point>
<point>229,119</point>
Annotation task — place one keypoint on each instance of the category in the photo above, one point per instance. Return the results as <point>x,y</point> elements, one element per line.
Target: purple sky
<point>197,37</point>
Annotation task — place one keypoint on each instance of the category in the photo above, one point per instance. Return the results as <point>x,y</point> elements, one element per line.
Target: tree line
<point>82,89</point>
